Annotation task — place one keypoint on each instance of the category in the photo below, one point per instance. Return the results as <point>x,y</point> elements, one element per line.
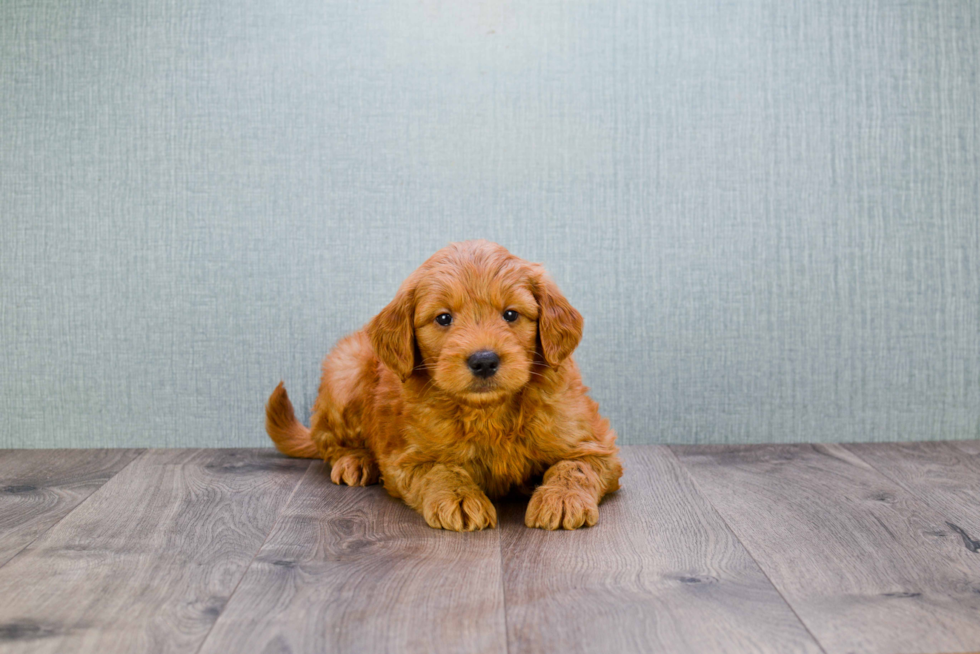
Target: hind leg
<point>337,425</point>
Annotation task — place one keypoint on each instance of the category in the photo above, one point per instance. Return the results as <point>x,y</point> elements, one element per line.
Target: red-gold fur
<point>397,400</point>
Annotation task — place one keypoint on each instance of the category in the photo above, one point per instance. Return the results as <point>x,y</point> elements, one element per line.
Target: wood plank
<point>40,487</point>
<point>660,572</point>
<point>970,447</point>
<point>865,564</point>
<point>938,473</point>
<point>148,562</point>
<point>353,570</point>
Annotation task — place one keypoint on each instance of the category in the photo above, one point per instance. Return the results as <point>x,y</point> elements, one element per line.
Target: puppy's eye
<point>444,319</point>
<point>510,315</point>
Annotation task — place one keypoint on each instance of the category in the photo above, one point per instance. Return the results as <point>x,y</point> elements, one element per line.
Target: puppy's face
<point>473,319</point>
<point>476,330</point>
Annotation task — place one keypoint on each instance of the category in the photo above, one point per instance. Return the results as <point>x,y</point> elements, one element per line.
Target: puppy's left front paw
<point>552,507</point>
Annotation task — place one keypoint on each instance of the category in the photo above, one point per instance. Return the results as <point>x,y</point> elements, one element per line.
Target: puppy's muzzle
<point>484,364</point>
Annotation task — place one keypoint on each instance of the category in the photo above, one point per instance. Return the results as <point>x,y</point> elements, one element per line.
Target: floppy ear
<point>392,333</point>
<point>559,324</point>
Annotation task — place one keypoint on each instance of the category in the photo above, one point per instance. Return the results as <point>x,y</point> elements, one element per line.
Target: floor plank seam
<point>772,583</point>
<point>887,477</point>
<point>142,453</point>
<point>958,444</point>
<point>275,523</point>
<point>503,585</point>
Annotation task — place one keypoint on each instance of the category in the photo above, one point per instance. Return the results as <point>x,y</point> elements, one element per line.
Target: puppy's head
<point>475,320</point>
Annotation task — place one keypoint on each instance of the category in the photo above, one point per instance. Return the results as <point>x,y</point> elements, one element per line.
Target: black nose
<point>484,363</point>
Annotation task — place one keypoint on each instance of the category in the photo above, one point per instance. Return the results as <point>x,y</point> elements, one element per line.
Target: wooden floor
<point>789,548</point>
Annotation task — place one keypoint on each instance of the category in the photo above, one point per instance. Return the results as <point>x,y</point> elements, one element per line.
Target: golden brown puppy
<point>460,389</point>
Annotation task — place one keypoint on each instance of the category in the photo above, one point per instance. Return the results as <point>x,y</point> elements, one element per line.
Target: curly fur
<point>398,402</point>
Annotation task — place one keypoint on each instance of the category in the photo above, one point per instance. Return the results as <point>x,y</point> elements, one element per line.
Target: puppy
<point>462,388</point>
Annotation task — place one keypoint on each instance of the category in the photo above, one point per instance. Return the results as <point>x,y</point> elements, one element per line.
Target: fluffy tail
<point>288,433</point>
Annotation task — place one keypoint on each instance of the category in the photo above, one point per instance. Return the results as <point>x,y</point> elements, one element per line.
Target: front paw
<point>354,470</point>
<point>552,507</point>
<point>459,510</point>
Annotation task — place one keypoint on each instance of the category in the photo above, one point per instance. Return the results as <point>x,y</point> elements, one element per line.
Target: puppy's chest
<point>497,459</point>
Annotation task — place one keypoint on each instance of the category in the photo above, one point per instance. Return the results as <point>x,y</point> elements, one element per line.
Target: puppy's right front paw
<point>459,510</point>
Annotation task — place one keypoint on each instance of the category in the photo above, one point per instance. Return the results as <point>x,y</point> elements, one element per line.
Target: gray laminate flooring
<point>767,548</point>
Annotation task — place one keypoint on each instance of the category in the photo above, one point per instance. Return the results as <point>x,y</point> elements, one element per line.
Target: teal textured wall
<point>767,211</point>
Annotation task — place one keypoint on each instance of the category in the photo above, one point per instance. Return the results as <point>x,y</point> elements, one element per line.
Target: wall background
<point>768,211</point>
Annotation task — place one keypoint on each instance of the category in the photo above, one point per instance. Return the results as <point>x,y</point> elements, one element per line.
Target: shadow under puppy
<point>460,389</point>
